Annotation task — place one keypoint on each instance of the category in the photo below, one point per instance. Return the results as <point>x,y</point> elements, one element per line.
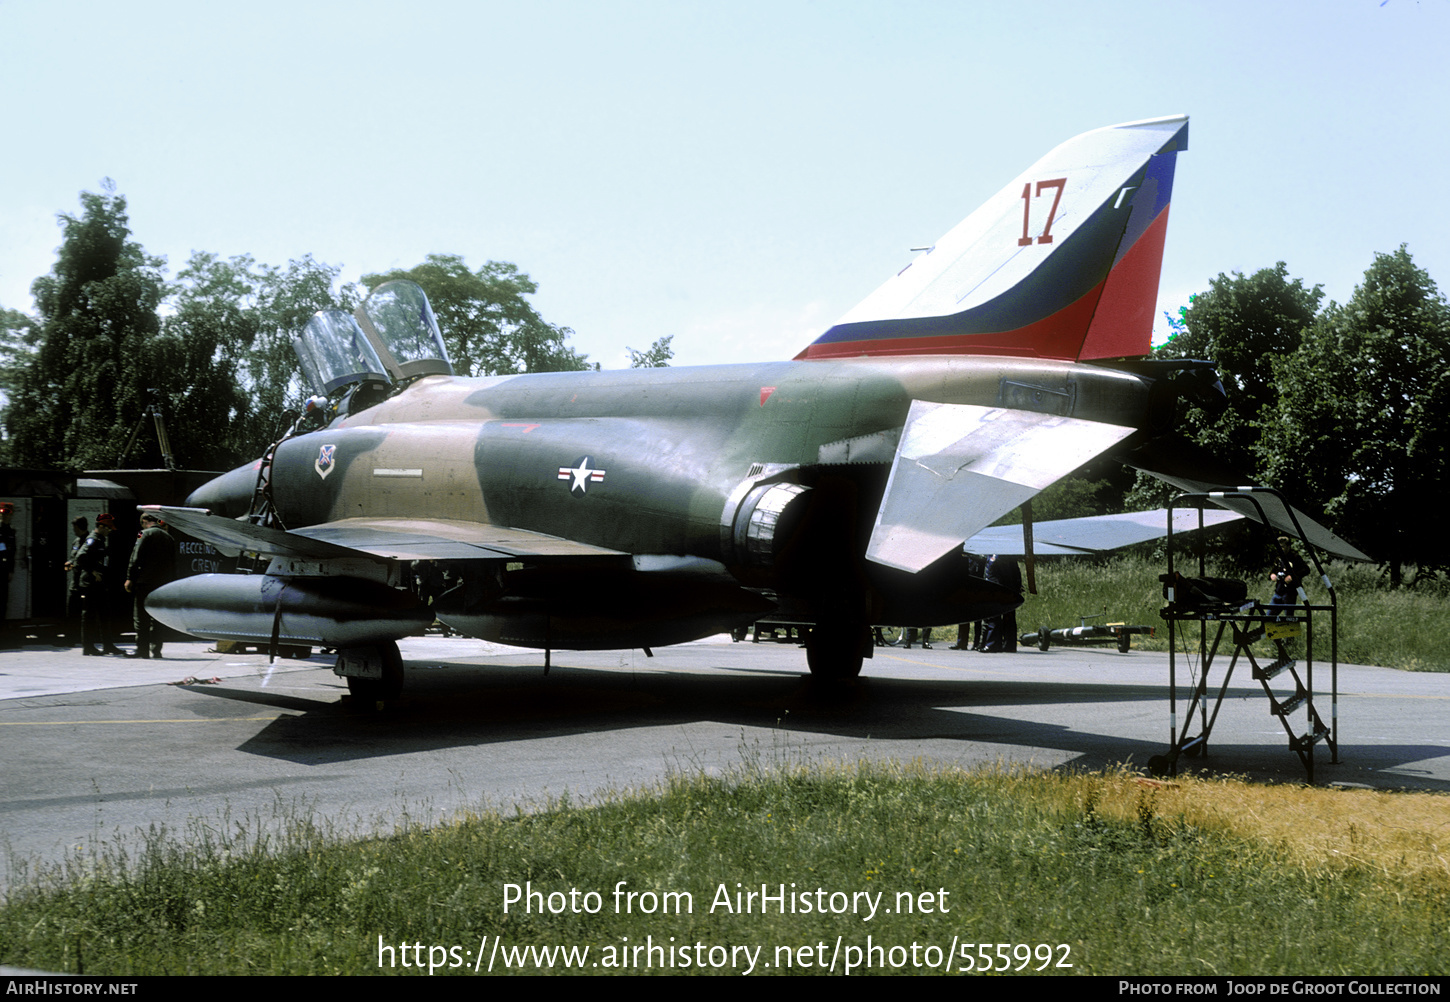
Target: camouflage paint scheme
<point>651,506</point>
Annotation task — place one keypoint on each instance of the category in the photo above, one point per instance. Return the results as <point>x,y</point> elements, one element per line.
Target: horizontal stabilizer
<point>1093,534</point>
<point>960,467</point>
<point>387,538</point>
<point>1194,470</point>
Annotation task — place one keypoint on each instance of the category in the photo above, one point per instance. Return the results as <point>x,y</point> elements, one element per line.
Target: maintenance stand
<point>1208,601</point>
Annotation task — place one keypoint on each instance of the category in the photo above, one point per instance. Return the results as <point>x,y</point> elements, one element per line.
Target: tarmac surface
<point>99,749</point>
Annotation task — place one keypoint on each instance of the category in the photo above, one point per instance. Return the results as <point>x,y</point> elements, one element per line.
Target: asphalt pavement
<point>97,749</point>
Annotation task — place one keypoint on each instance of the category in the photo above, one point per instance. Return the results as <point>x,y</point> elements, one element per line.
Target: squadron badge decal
<point>326,457</point>
<point>580,475</point>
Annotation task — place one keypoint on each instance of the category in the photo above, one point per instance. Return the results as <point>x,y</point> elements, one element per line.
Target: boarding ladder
<point>1287,679</point>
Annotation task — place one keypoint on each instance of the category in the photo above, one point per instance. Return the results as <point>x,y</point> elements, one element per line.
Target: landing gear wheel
<point>834,652</point>
<point>375,690</point>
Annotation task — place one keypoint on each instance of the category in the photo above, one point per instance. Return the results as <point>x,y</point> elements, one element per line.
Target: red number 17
<point>1059,183</point>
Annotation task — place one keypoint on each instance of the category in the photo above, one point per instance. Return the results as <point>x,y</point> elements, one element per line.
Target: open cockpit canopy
<point>334,352</point>
<point>403,331</point>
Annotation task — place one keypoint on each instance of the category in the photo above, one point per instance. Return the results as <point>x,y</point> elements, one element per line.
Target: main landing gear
<point>835,651</point>
<point>374,674</point>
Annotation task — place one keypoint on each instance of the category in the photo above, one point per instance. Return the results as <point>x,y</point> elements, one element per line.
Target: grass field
<point>1405,628</point>
<point>1111,874</point>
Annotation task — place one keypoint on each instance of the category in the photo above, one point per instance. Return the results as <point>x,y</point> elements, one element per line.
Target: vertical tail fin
<point>1062,263</point>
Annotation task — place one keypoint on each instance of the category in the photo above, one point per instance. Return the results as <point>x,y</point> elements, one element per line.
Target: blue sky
<point>737,175</point>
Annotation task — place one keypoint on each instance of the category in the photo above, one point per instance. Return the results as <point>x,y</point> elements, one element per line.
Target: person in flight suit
<point>90,563</point>
<point>153,564</point>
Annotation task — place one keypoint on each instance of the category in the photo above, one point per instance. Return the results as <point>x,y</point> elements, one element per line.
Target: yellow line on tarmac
<point>192,720</point>
<point>926,664</point>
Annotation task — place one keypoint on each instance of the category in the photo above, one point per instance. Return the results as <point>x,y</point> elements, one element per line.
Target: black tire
<point>378,690</point>
<point>834,654</point>
<point>1125,640</point>
<point>1044,638</point>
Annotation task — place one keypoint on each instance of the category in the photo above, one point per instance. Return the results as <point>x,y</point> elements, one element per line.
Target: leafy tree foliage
<point>1363,407</point>
<point>85,386</point>
<point>213,348</point>
<point>1242,323</point>
<point>231,331</point>
<point>17,339</point>
<point>657,356</point>
<point>220,364</point>
<point>488,325</point>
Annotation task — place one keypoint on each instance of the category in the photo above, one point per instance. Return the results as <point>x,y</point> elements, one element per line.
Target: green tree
<point>243,316</point>
<point>84,387</point>
<point>489,326</point>
<point>1243,324</point>
<point>657,356</point>
<point>17,340</point>
<point>1363,406</point>
<point>203,347</point>
<point>220,365</point>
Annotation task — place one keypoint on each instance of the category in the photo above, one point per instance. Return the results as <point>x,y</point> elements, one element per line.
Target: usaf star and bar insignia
<point>580,475</point>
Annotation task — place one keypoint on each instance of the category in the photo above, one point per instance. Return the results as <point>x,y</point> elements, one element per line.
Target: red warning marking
<point>765,392</point>
<point>515,424</point>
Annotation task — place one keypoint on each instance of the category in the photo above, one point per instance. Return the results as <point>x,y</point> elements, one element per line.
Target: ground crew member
<point>91,563</point>
<point>153,564</point>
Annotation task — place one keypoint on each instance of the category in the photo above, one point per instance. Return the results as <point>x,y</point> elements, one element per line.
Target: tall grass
<point>1405,628</point>
<point>1118,875</point>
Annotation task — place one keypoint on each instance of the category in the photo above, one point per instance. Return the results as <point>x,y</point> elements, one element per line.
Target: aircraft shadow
<point>454,706</point>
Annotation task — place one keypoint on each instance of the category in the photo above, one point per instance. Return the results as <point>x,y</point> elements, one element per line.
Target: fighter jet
<point>646,507</point>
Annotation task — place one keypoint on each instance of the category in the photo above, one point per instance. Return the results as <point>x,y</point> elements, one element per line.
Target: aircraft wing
<point>1093,534</point>
<point>960,467</point>
<point>386,538</point>
<point>1194,470</point>
<point>446,539</point>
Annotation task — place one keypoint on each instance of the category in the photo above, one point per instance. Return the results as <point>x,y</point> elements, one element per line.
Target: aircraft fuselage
<point>658,451</point>
<point>751,488</point>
